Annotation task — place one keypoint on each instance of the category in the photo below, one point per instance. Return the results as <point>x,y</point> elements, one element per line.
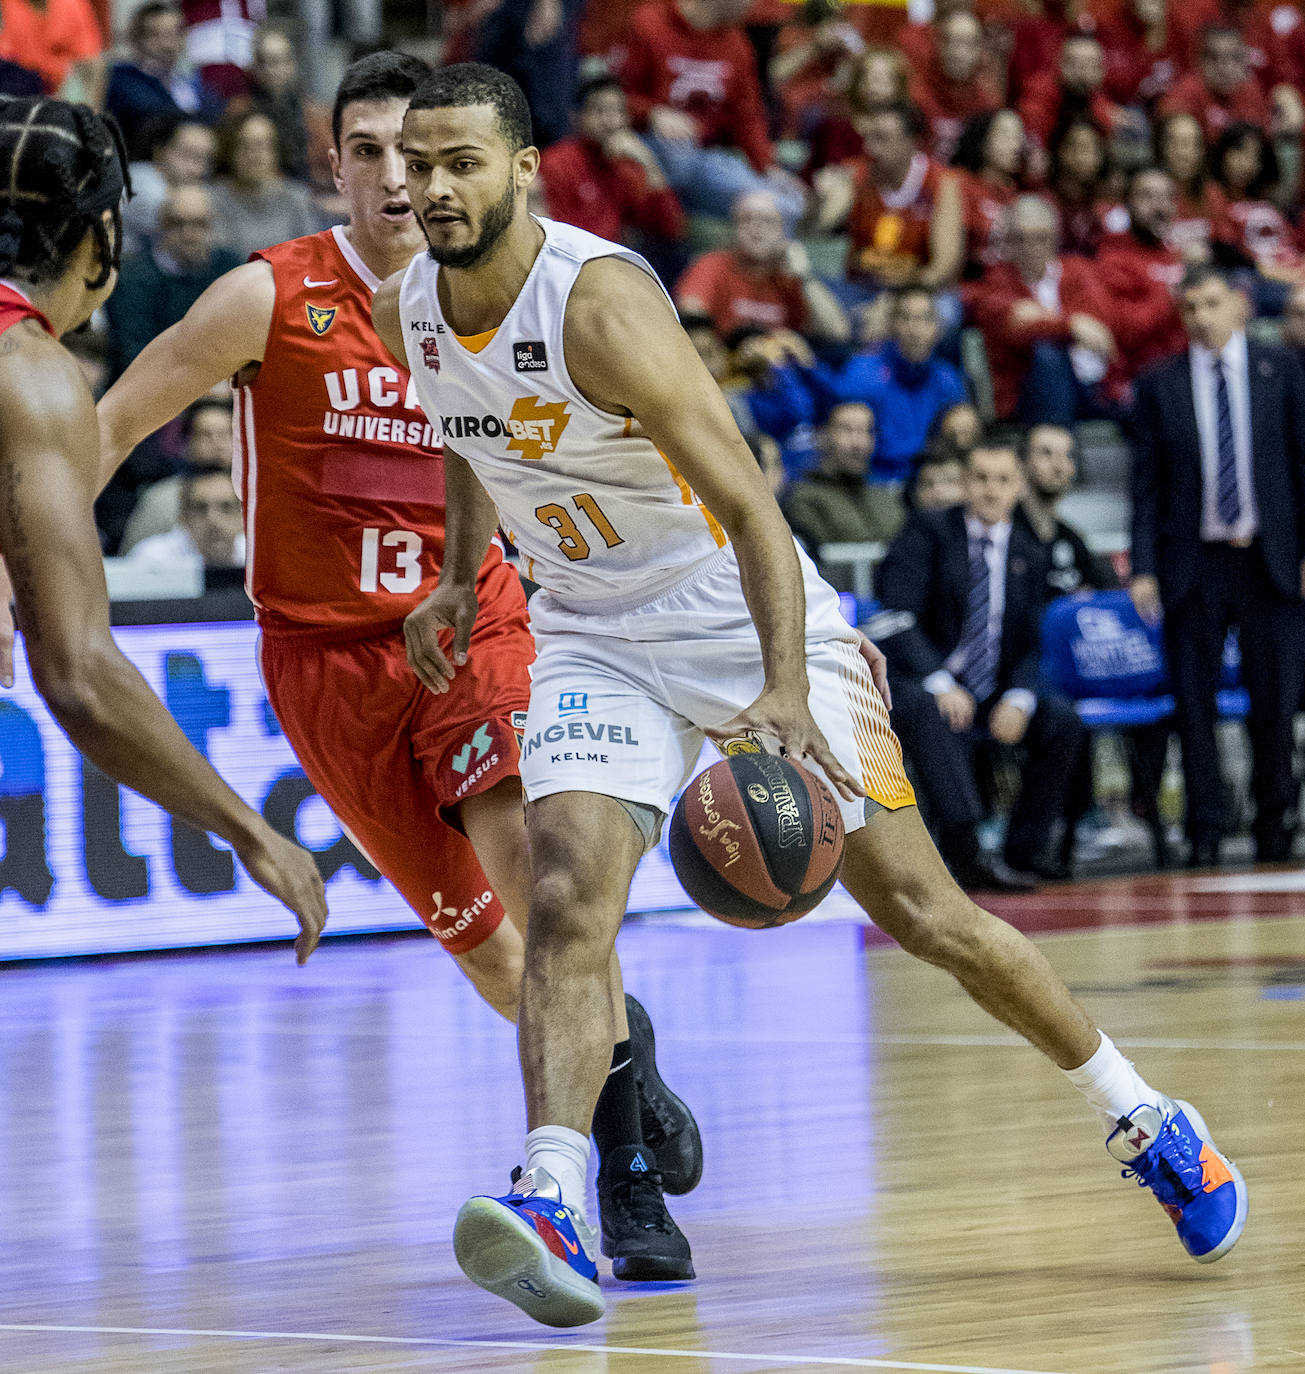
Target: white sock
<point>1112,1086</point>
<point>565,1154</point>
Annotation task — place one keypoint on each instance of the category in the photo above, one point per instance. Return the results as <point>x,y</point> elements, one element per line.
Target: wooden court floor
<point>219,1162</point>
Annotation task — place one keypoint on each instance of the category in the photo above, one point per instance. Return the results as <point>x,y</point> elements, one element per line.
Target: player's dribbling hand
<point>289,872</point>
<point>788,719</point>
<point>446,608</point>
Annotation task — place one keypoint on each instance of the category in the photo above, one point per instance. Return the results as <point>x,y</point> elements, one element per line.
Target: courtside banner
<point>90,867</point>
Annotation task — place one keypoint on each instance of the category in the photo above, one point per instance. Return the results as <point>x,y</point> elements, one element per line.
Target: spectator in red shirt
<point>691,79</point>
<point>1037,38</point>
<point>1245,165</point>
<point>1144,50</point>
<point>1202,209</point>
<point>605,178</point>
<point>1266,27</point>
<point>1223,91</point>
<point>765,279</point>
<point>811,66</point>
<point>990,155</point>
<point>878,77</point>
<point>953,88</point>
<point>56,39</point>
<point>902,210</point>
<point>1043,318</point>
<point>1072,89</point>
<point>1079,181</point>
<point>1140,273</point>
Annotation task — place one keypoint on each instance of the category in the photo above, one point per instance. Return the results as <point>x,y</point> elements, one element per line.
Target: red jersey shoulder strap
<point>15,306</point>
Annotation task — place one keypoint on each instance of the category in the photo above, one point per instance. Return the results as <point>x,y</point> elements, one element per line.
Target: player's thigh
<point>345,710</point>
<point>714,675</point>
<point>466,740</point>
<point>595,727</point>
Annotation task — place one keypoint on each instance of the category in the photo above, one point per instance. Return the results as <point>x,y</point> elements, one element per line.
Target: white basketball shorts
<point>620,695</point>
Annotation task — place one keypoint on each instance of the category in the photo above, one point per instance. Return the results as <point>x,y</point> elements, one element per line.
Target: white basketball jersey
<point>597,512</point>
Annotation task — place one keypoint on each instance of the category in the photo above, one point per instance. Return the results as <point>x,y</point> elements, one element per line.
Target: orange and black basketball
<point>757,840</point>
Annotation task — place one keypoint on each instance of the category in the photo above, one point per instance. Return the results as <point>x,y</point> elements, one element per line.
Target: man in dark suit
<point>1218,539</point>
<point>963,595</point>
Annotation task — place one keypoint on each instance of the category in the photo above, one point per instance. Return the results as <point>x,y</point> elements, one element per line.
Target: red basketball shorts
<point>392,760</point>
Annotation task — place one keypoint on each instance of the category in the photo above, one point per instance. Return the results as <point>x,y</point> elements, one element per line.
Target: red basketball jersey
<point>14,306</point>
<point>340,473</point>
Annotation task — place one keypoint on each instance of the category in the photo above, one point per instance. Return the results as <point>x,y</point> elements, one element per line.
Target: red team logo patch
<point>430,351</point>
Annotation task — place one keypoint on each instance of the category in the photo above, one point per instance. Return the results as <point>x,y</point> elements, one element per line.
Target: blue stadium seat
<point>1099,652</point>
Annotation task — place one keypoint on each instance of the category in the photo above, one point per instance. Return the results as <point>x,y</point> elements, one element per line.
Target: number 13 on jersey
<point>406,573</point>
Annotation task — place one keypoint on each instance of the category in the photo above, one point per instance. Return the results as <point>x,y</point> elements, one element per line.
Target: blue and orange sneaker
<point>531,1249</point>
<point>1201,1189</point>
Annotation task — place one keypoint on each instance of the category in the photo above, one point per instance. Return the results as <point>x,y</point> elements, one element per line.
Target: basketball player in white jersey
<point>675,603</point>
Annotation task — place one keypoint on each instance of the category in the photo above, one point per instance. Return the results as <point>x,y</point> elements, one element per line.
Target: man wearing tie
<point>1218,539</point>
<point>963,592</point>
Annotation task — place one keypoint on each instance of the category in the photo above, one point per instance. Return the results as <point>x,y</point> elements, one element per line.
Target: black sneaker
<point>669,1129</point>
<point>639,1236</point>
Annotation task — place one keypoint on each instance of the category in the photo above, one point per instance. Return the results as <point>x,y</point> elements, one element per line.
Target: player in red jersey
<point>62,170</point>
<point>342,482</point>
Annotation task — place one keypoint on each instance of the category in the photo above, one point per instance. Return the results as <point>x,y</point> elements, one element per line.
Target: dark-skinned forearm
<point>772,587</point>
<point>470,520</point>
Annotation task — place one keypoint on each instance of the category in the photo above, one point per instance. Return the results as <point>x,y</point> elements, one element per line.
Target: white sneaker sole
<point>503,1255</point>
<point>1243,1195</point>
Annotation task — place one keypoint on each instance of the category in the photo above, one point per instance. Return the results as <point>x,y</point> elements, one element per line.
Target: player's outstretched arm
<point>626,352</point>
<point>225,329</point>
<point>49,462</point>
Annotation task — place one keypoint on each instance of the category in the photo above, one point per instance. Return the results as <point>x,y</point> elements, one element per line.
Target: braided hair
<point>61,167</point>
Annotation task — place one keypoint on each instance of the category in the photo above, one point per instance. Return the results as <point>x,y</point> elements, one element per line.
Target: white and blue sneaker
<point>531,1249</point>
<point>1200,1188</point>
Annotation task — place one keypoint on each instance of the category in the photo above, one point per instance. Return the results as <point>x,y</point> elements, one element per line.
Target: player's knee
<point>562,918</point>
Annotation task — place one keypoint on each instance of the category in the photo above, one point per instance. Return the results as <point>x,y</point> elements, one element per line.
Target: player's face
<point>465,185</point>
<point>368,169</point>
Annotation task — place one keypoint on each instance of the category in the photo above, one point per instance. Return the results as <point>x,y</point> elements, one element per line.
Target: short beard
<point>497,219</point>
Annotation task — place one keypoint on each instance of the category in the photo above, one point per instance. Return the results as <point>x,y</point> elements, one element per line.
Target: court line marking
<point>835,1362</point>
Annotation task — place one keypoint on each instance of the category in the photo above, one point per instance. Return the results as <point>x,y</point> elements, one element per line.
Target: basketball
<point>756,840</point>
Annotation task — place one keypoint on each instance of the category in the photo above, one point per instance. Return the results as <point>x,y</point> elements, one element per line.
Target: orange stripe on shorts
<point>878,748</point>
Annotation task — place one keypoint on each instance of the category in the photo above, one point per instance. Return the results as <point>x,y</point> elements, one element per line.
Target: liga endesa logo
<point>535,426</point>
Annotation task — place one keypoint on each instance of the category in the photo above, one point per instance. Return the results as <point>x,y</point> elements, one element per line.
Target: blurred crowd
<point>893,241</point>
